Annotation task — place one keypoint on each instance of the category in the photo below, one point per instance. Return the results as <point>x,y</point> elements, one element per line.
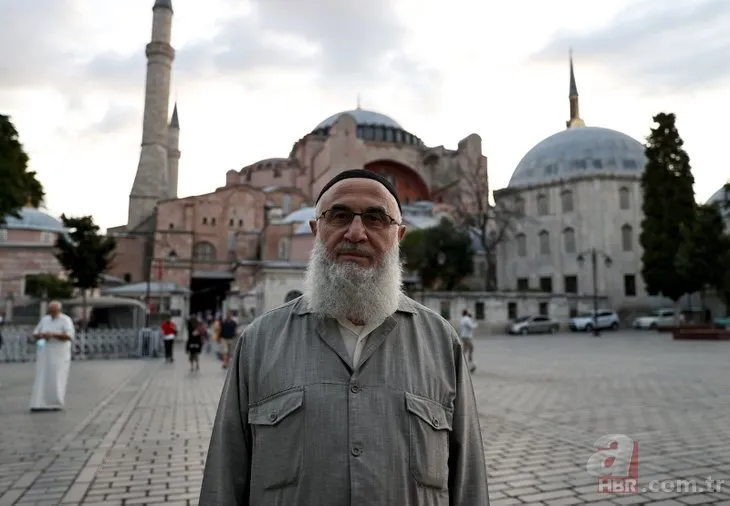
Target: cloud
<point>655,45</point>
<point>32,38</point>
<point>346,44</point>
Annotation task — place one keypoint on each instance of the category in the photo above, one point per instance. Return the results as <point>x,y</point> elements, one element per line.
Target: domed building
<point>577,191</point>
<point>26,249</point>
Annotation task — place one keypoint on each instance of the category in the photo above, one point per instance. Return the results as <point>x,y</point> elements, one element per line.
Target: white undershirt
<point>355,337</point>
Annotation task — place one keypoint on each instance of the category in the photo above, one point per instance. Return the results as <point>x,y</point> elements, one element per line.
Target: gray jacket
<point>298,426</point>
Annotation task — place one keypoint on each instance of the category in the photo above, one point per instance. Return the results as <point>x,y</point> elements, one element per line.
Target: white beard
<point>348,291</point>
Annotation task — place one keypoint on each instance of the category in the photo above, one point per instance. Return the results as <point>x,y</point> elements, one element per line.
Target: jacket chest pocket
<point>429,425</point>
<point>277,426</point>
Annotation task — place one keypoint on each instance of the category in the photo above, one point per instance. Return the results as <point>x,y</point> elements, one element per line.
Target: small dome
<point>577,152</point>
<point>720,197</point>
<point>34,219</point>
<point>362,117</point>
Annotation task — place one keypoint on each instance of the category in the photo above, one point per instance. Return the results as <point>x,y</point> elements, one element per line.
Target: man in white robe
<point>53,336</point>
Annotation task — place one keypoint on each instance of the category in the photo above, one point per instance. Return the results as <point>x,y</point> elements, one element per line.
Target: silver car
<point>533,325</point>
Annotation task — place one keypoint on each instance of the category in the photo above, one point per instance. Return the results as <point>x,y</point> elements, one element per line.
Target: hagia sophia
<point>578,194</point>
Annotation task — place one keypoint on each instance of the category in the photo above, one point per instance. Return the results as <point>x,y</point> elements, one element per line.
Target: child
<point>194,345</point>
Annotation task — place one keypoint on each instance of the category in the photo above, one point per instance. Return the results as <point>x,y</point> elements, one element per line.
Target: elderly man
<point>53,336</point>
<point>352,394</point>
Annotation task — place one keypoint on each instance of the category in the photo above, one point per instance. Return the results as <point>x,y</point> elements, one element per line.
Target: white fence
<point>93,344</point>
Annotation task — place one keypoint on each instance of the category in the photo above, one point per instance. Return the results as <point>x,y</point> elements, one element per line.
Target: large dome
<point>33,219</point>
<point>577,152</point>
<point>362,117</point>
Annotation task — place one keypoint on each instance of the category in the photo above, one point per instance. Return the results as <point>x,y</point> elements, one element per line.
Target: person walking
<point>467,337</point>
<point>352,393</point>
<point>228,332</point>
<point>169,332</point>
<point>53,336</point>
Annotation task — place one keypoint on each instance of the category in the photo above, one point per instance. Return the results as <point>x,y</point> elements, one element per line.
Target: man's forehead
<point>359,192</point>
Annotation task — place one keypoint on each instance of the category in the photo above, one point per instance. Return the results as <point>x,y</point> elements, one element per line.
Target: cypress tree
<point>668,207</point>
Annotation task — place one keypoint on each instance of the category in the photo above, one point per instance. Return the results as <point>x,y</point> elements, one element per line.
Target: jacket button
<point>273,417</point>
<point>355,388</point>
<point>356,451</point>
<point>435,422</point>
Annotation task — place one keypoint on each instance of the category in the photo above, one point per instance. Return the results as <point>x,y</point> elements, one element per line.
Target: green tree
<point>442,255</point>
<point>702,249</point>
<point>669,204</point>
<point>18,185</point>
<point>48,286</point>
<point>84,253</point>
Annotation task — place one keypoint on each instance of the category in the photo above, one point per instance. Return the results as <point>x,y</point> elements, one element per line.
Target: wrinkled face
<point>366,239</point>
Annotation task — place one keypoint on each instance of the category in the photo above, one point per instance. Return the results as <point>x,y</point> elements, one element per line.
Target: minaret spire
<point>151,183</point>
<point>575,119</point>
<point>358,101</point>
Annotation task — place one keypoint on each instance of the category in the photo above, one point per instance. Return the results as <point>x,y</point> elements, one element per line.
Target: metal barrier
<point>92,344</point>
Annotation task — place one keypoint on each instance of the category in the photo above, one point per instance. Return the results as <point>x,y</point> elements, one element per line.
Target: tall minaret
<point>173,153</point>
<point>151,182</point>
<point>574,120</point>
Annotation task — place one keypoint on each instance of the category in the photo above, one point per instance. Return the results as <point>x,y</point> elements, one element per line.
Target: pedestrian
<point>467,337</point>
<point>228,332</point>
<point>352,393</point>
<point>194,346</point>
<point>169,331</point>
<point>53,336</point>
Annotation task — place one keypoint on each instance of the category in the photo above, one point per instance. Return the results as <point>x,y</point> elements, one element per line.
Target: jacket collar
<point>405,305</point>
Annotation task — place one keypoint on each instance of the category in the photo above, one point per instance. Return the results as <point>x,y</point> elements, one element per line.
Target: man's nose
<point>356,231</point>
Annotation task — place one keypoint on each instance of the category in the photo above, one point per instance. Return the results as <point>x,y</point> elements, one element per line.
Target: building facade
<point>257,221</point>
<point>578,197</point>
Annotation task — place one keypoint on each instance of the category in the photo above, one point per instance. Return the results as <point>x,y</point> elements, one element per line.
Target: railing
<point>92,344</point>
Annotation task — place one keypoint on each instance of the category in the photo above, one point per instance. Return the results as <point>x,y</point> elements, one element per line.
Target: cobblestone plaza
<point>136,432</point>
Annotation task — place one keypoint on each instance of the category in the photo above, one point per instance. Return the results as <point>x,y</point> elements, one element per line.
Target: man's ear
<point>313,226</point>
<point>401,232</point>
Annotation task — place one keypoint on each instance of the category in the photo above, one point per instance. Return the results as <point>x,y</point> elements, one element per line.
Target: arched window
<point>204,252</point>
<point>520,206</point>
<point>624,198</point>
<point>544,237</point>
<point>521,241</point>
<point>569,240</point>
<point>542,205</point>
<point>566,198</point>
<point>283,250</point>
<point>627,238</point>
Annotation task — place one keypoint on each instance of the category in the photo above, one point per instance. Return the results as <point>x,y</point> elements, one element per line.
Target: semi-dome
<point>362,117</point>
<point>721,197</point>
<point>34,219</point>
<point>578,152</point>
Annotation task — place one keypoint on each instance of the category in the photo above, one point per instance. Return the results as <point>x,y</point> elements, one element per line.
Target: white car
<point>659,318</point>
<point>606,319</point>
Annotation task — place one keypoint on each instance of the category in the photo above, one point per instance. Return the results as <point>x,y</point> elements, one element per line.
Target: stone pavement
<point>136,432</point>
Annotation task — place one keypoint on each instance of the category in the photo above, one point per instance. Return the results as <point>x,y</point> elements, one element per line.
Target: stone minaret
<point>173,153</point>
<point>574,120</point>
<point>151,182</point>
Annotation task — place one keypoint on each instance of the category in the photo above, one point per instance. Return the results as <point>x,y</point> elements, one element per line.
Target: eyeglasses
<point>374,219</point>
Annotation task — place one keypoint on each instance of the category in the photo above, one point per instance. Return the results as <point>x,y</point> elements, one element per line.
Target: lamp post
<point>171,257</point>
<point>594,254</point>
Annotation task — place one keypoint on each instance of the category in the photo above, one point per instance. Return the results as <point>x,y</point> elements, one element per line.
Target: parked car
<point>606,319</point>
<point>659,318</point>
<point>533,325</point>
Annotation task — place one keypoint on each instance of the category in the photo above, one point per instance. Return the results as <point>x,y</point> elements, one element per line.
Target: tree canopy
<point>18,185</point>
<point>85,253</point>
<point>668,206</point>
<point>48,286</point>
<point>441,255</point>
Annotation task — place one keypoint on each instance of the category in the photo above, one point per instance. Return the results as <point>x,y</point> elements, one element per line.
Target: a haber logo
<point>615,464</point>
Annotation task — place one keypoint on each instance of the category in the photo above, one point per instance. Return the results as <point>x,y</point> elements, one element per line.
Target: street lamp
<point>171,257</point>
<point>594,254</point>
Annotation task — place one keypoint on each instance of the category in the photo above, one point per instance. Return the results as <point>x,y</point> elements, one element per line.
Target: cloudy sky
<point>253,76</point>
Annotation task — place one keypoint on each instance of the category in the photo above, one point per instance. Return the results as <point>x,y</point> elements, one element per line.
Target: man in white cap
<point>53,336</point>
<point>352,393</point>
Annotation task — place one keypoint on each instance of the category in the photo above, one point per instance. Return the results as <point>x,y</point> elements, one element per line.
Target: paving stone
<point>136,432</point>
